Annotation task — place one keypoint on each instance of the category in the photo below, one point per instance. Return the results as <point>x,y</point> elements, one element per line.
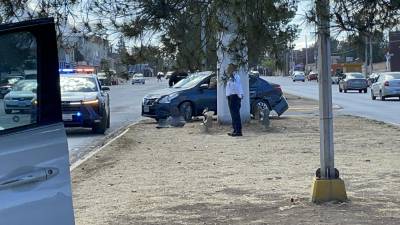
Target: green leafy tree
<point>263,24</point>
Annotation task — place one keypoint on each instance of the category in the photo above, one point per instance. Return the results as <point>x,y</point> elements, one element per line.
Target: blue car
<point>199,91</point>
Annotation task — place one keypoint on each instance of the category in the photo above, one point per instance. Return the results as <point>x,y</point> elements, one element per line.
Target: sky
<point>307,31</point>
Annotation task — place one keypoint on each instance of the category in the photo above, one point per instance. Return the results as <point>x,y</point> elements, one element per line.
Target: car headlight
<point>91,102</point>
<point>168,98</point>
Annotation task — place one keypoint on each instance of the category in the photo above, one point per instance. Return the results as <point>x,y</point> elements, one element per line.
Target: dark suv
<point>84,102</point>
<point>199,91</point>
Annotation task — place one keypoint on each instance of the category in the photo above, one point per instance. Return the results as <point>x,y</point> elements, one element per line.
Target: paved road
<point>352,103</point>
<point>125,103</point>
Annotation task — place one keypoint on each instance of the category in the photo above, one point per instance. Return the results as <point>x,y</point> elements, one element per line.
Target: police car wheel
<point>101,127</point>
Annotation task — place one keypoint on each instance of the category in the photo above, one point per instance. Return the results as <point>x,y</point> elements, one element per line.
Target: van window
<point>18,99</point>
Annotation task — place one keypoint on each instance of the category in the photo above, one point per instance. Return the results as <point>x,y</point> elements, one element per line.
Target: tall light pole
<point>366,57</point>
<point>326,186</point>
<point>305,67</point>
<point>371,60</point>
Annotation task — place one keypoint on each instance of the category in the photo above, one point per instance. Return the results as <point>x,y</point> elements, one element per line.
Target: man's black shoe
<point>235,134</point>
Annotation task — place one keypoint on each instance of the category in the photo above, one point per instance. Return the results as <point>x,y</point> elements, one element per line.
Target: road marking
<point>92,153</point>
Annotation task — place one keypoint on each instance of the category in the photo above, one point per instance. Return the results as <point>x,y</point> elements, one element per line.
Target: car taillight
<point>386,83</point>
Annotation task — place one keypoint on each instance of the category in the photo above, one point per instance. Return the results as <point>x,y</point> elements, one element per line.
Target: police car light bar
<point>75,70</point>
<point>66,70</point>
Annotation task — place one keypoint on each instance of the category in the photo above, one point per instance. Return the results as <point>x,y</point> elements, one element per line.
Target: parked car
<point>20,97</point>
<point>7,83</point>
<point>353,81</point>
<point>138,78</point>
<point>312,76</point>
<point>199,91</point>
<point>84,102</point>
<point>386,86</point>
<point>298,76</point>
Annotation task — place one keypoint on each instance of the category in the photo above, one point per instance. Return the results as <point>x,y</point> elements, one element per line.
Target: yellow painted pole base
<point>328,190</point>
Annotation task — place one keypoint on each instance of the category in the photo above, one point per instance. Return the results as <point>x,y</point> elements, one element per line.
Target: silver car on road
<point>353,81</point>
<point>21,96</point>
<point>138,78</point>
<point>386,86</point>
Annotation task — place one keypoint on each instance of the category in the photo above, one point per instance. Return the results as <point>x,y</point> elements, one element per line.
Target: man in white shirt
<point>234,93</point>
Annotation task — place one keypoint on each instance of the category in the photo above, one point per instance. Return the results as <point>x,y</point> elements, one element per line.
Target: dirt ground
<point>184,176</point>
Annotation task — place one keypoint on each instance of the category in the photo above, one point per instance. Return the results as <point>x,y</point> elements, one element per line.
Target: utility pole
<point>366,57</point>
<point>325,93</point>
<point>371,66</point>
<point>305,67</point>
<point>326,185</point>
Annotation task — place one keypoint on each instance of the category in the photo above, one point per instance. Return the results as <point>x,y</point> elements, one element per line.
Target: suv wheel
<point>186,110</point>
<point>108,120</point>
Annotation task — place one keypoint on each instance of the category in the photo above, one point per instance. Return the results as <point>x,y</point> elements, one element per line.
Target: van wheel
<point>345,91</point>
<point>186,111</point>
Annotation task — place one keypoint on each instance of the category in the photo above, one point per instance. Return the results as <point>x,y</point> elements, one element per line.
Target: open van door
<point>35,183</point>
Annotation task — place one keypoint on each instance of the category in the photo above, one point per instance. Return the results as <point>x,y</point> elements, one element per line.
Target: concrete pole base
<point>327,190</point>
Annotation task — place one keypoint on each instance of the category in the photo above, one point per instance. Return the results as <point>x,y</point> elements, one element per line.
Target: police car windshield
<point>78,84</point>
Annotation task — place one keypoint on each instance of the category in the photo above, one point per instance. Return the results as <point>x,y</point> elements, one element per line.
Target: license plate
<point>146,108</point>
<point>22,104</point>
<point>67,117</point>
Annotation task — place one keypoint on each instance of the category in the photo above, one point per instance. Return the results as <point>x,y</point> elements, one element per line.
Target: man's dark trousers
<point>234,103</point>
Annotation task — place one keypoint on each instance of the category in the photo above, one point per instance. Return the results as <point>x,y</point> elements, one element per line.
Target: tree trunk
<point>226,57</point>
